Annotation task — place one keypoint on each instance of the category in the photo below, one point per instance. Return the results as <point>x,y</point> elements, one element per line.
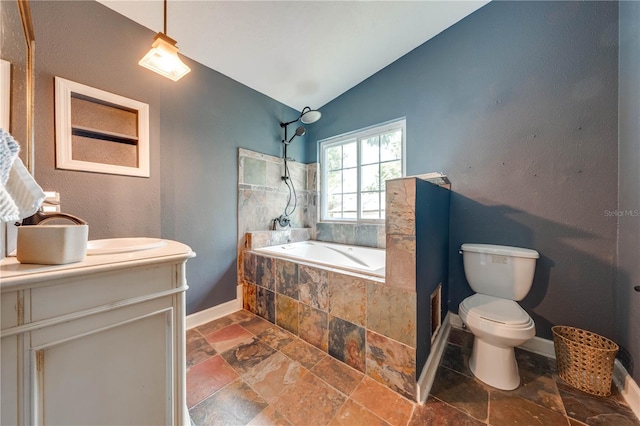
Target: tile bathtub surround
<point>265,269</point>
<point>347,343</point>
<point>392,363</point>
<point>348,297</point>
<point>292,383</point>
<point>312,287</point>
<point>313,326</point>
<point>287,313</point>
<point>391,312</point>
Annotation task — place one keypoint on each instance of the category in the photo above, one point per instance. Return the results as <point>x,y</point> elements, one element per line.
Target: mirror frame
<point>30,40</point>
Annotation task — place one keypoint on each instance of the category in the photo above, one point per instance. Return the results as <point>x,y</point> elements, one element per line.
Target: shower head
<point>309,115</point>
<point>299,132</point>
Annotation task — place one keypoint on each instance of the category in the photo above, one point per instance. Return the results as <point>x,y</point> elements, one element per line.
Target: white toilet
<point>500,276</point>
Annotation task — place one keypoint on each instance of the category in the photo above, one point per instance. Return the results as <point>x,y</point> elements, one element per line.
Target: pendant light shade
<point>163,56</point>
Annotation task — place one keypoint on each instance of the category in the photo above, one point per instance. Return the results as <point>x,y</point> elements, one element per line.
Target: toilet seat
<point>502,312</point>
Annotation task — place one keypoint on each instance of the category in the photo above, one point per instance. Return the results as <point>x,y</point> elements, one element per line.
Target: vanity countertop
<point>14,274</point>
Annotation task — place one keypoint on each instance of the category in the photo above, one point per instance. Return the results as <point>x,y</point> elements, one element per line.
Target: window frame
<point>357,136</point>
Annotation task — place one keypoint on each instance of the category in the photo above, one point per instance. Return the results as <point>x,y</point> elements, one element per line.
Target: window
<point>354,169</point>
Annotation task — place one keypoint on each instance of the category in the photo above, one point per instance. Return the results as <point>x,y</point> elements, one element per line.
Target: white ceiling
<point>297,52</point>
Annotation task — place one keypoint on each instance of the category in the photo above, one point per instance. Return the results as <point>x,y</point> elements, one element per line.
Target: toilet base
<point>494,365</point>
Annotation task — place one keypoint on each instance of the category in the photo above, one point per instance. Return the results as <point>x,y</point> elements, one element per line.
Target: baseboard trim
<point>540,346</point>
<point>628,388</point>
<point>428,373</point>
<point>215,312</point>
<point>455,320</point>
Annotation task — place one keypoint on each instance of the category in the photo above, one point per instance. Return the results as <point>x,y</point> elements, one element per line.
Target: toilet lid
<point>495,309</point>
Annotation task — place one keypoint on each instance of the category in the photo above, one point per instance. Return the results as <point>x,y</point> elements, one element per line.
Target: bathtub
<point>365,260</point>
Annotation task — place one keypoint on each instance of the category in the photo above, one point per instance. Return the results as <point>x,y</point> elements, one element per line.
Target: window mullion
<point>359,179</point>
<point>379,174</point>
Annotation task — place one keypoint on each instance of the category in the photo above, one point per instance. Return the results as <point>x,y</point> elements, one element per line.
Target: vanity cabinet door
<point>9,391</point>
<point>116,373</point>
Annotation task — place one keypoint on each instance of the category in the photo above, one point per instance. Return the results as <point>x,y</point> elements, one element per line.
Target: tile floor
<point>243,370</point>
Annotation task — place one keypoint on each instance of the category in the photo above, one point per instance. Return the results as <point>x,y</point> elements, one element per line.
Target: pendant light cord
<point>165,17</point>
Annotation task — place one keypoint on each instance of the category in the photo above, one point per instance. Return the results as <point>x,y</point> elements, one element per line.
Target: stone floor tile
<point>198,349</point>
<point>539,364</point>
<point>462,338</point>
<point>269,417</point>
<point>247,355</point>
<point>240,316</point>
<point>437,413</point>
<point>229,337</point>
<point>354,414</point>
<point>207,378</point>
<point>338,374</point>
<point>304,353</point>
<point>273,376</point>
<point>457,358</point>
<point>509,409</point>
<point>214,325</point>
<point>382,401</point>
<point>593,409</point>
<point>464,393</point>
<point>310,402</point>
<point>236,404</point>
<point>276,337</point>
<point>256,325</point>
<point>540,389</point>
<point>574,422</point>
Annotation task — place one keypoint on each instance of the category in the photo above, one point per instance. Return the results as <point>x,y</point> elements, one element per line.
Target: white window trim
<point>356,135</point>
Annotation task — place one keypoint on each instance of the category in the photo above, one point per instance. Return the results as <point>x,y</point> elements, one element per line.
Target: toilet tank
<point>499,271</point>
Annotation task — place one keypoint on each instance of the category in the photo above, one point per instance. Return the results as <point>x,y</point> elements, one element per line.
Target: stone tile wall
<point>262,196</point>
<point>368,235</point>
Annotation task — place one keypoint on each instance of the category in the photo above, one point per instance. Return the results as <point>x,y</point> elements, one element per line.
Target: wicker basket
<point>584,359</point>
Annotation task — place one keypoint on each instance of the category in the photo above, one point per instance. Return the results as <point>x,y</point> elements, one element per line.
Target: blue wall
<point>628,299</point>
<point>517,104</point>
<point>432,260</point>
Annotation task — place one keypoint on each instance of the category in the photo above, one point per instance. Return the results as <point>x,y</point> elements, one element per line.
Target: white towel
<point>9,150</point>
<point>24,190</point>
<point>20,195</point>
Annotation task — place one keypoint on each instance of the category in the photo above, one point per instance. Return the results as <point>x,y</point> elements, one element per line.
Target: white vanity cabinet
<point>99,342</point>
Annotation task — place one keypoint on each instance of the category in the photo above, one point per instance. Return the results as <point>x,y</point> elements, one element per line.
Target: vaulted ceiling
<point>297,52</point>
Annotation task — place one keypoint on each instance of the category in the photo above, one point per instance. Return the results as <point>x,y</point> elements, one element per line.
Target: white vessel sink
<point>123,245</point>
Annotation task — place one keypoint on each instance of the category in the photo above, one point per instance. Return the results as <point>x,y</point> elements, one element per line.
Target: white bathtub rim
<point>359,273</point>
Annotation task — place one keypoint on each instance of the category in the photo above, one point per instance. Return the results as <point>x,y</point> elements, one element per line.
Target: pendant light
<point>163,56</point>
